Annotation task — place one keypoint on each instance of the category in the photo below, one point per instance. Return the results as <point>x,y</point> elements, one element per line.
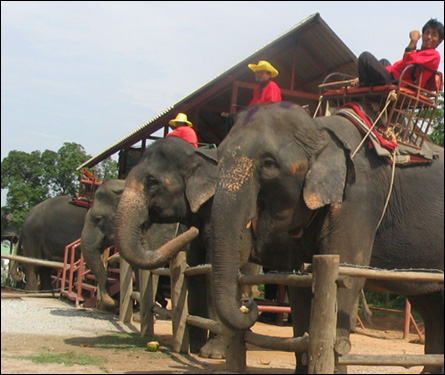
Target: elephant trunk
<point>230,216</point>
<point>14,267</point>
<point>92,244</point>
<point>131,217</point>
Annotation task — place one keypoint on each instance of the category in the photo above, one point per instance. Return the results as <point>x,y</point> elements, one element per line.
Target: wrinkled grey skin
<point>294,175</point>
<point>99,233</point>
<point>48,228</point>
<point>174,182</point>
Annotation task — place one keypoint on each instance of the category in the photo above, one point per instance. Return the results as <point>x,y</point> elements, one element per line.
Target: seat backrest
<point>435,83</point>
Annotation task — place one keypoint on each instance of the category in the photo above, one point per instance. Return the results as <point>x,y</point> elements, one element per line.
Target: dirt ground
<point>384,338</point>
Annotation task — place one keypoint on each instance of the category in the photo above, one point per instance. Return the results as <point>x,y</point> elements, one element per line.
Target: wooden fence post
<point>322,329</point>
<point>126,284</point>
<point>147,301</point>
<point>179,295</point>
<point>235,351</point>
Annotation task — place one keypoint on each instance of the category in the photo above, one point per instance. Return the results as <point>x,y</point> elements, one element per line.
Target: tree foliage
<point>437,125</point>
<point>34,177</point>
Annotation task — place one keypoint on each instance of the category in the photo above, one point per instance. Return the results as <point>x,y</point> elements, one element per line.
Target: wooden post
<point>407,319</point>
<point>147,301</point>
<point>235,351</point>
<point>126,283</point>
<point>322,329</point>
<point>179,297</point>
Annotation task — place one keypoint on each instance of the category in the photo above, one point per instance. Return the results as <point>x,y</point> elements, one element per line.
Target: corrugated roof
<point>304,56</point>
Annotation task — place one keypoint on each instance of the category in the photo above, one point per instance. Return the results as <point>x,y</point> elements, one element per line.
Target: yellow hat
<point>264,65</point>
<point>181,117</point>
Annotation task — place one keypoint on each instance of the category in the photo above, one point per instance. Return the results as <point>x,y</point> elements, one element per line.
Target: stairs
<point>77,283</point>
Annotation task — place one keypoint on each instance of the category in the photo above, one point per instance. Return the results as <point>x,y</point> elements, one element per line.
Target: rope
<point>391,185</point>
<point>391,97</point>
<point>177,228</point>
<point>320,99</point>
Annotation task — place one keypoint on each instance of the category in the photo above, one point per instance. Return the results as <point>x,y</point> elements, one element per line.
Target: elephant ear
<point>326,179</point>
<point>201,184</point>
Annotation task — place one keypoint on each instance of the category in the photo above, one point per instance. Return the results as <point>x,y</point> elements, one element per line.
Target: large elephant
<point>47,229</point>
<point>99,233</point>
<point>294,179</point>
<point>173,182</point>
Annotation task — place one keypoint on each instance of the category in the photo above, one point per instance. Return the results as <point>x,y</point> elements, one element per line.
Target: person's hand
<point>415,35</point>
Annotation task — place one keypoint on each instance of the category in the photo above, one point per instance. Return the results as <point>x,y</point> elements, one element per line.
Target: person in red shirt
<point>371,71</point>
<point>182,128</point>
<point>267,91</point>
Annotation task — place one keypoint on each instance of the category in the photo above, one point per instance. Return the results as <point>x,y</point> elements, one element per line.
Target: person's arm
<point>414,37</point>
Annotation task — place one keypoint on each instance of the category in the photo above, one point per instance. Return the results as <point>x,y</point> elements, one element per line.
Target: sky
<point>93,72</point>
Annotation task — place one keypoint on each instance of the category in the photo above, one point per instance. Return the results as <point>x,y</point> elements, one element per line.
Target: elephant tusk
<point>299,234</point>
<point>249,224</point>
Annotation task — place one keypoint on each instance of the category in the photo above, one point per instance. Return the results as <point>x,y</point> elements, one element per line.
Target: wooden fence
<point>326,276</point>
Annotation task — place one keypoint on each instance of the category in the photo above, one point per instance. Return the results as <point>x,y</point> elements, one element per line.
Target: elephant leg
<point>31,278</point>
<point>197,305</point>
<point>160,296</point>
<point>45,279</point>
<point>300,302</point>
<point>197,297</point>
<point>347,308</point>
<point>431,308</point>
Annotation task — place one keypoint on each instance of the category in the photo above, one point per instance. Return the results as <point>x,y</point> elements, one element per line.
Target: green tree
<point>34,177</point>
<point>437,125</point>
<point>106,170</point>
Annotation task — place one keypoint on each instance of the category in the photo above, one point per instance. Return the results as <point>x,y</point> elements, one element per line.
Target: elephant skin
<point>98,234</point>
<point>293,178</point>
<point>47,229</point>
<point>174,182</point>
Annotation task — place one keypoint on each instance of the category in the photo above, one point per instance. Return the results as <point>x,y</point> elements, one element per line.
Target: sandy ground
<point>387,339</point>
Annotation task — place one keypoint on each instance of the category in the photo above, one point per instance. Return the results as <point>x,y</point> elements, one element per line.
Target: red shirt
<point>429,58</point>
<point>267,94</point>
<point>186,133</point>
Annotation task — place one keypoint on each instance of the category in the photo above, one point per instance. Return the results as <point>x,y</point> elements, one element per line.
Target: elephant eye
<point>152,184</point>
<point>269,163</point>
<point>269,168</point>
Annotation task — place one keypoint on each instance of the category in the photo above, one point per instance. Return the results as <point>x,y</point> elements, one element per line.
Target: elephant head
<point>170,184</point>
<point>98,234</point>
<point>275,181</point>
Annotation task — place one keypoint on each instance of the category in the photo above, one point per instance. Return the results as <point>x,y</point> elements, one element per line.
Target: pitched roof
<point>304,56</point>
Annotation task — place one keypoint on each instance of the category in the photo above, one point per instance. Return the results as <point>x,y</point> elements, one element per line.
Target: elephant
<point>46,230</point>
<point>98,234</point>
<point>174,182</point>
<point>293,180</point>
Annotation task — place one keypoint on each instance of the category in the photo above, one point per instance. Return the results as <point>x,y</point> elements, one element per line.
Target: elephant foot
<point>214,348</point>
<point>106,302</point>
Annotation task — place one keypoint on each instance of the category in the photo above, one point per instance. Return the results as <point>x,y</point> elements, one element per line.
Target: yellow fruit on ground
<point>152,346</point>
